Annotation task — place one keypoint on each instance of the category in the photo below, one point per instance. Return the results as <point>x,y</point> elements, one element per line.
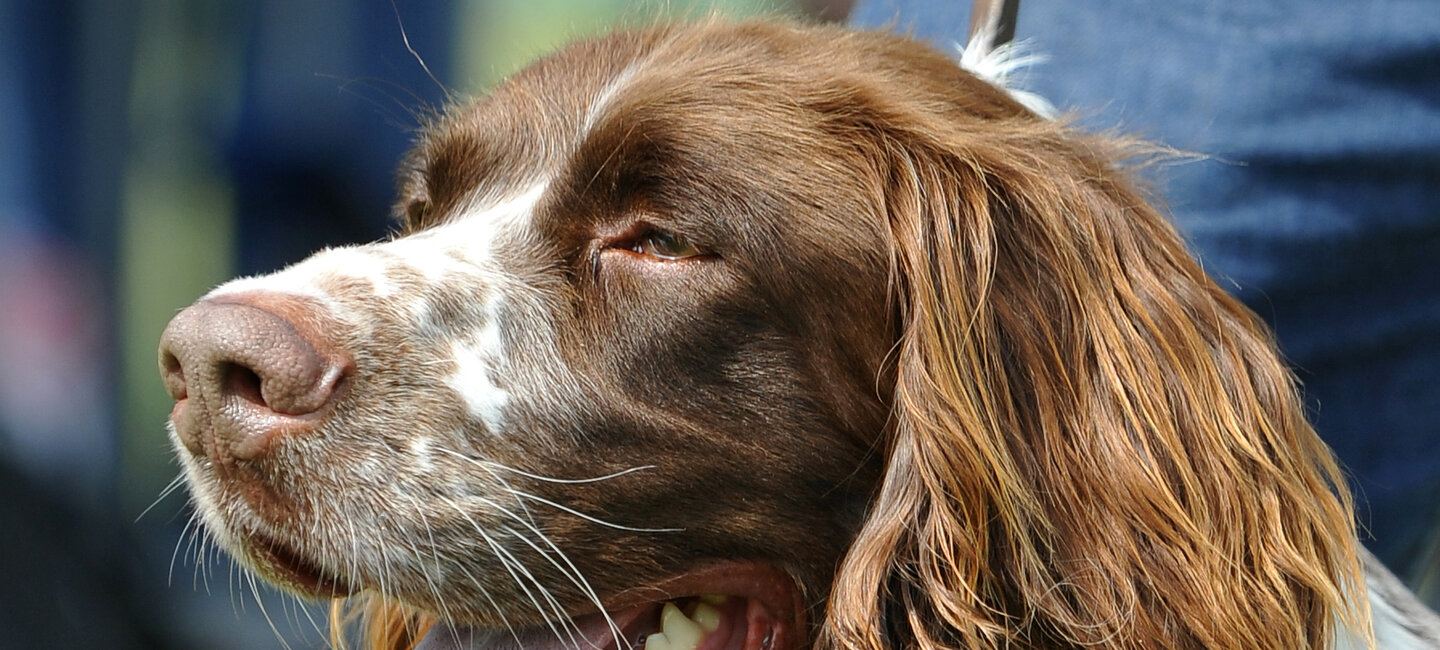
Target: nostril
<point>173,374</point>
<point>242,382</point>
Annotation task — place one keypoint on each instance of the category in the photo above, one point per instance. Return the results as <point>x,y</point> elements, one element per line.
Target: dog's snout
<point>246,369</point>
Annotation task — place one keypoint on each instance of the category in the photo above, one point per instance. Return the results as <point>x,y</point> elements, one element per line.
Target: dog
<point>759,336</point>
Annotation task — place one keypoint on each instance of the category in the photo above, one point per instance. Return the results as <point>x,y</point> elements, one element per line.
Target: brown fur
<point>986,399</point>
<point>1091,444</point>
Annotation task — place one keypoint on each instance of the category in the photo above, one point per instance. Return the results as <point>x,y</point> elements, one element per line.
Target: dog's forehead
<point>523,130</point>
<point>705,84</point>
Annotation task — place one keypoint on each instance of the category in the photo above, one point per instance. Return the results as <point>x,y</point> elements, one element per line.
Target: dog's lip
<point>284,565</point>
<point>779,601</point>
<point>763,582</point>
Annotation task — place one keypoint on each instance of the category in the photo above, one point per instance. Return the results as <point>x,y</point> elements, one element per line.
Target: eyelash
<point>652,245</point>
<point>664,246</point>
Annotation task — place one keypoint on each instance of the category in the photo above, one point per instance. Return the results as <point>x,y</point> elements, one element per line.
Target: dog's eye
<point>666,246</point>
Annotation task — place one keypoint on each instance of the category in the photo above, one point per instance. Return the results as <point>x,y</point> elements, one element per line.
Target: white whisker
<point>512,565</point>
<point>175,484</point>
<point>569,570</point>
<point>354,559</point>
<point>490,464</point>
<point>589,518</point>
<point>305,609</point>
<point>255,593</point>
<point>188,531</point>
<point>572,573</point>
<point>498,611</point>
<point>434,554</point>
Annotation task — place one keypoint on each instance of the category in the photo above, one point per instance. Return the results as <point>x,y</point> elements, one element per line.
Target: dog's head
<point>809,332</point>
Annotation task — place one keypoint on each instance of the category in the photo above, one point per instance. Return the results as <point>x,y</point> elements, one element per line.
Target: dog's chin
<point>284,566</point>
<point>729,606</point>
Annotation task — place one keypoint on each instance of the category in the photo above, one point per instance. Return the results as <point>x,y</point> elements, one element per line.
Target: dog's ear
<point>1092,444</point>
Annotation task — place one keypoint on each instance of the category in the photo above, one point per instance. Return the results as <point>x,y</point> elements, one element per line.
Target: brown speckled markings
<point>809,319</point>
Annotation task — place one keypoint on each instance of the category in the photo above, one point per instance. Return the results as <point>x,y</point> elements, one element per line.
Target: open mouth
<point>724,607</point>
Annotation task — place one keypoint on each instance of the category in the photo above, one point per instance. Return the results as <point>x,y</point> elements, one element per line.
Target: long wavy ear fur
<point>1093,444</point>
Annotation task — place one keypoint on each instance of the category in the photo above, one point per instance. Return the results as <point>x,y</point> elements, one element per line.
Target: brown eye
<point>665,246</point>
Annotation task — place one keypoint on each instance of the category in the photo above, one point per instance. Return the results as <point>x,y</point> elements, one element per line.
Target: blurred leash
<point>995,18</point>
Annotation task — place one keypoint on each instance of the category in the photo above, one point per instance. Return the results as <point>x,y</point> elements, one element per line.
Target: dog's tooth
<point>657,641</point>
<point>707,616</point>
<point>681,632</point>
<point>713,599</point>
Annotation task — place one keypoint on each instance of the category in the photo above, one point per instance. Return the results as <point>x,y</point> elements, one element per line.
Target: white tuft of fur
<point>995,65</point>
<point>472,380</point>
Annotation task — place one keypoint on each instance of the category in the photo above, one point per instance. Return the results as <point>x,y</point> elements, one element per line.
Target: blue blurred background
<point>150,149</point>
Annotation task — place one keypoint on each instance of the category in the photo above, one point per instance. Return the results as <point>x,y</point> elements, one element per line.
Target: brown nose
<point>241,373</point>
